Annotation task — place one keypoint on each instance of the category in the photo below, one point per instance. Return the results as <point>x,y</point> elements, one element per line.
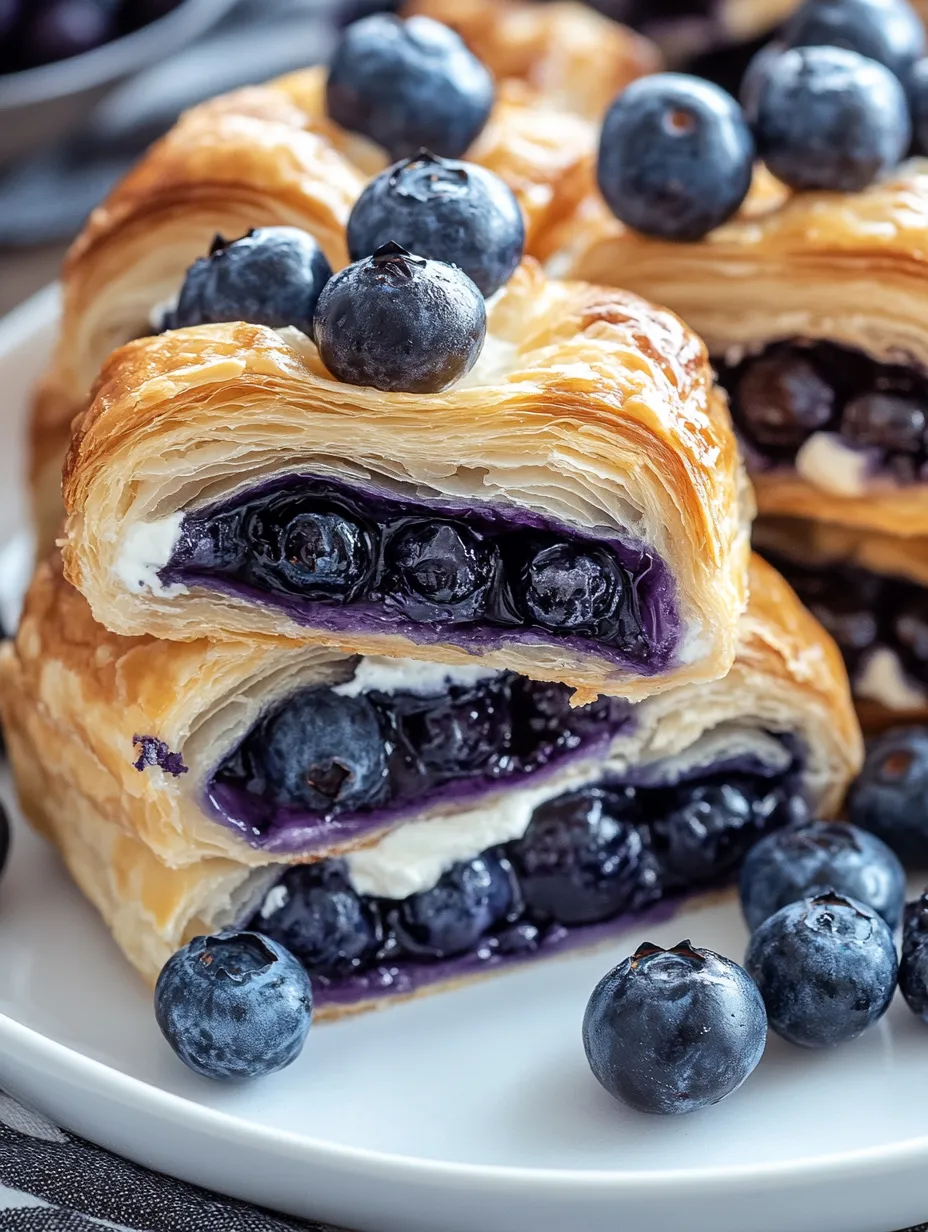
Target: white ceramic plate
<point>471,1111</point>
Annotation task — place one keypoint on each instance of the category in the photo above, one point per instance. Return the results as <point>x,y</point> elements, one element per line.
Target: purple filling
<point>354,560</point>
<point>793,389</point>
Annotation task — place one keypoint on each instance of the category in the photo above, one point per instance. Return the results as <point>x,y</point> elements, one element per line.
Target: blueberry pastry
<point>402,826</point>
<point>870,591</point>
<point>573,508</point>
<point>274,156</point>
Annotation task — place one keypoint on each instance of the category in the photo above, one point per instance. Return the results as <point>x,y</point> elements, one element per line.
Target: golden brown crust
<point>822,543</point>
<point>607,401</point>
<point>847,268</point>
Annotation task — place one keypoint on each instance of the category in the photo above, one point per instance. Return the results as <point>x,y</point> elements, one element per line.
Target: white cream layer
<point>375,673</point>
<point>882,680</point>
<point>830,465</point>
<point>145,550</point>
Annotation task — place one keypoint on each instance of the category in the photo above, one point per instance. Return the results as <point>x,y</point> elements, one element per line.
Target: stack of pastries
<point>421,680</point>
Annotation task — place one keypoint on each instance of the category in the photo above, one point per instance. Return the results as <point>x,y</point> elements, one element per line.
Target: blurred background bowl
<point>42,103</point>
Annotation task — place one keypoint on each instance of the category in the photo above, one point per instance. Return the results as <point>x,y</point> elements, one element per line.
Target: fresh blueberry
<point>234,1005</point>
<point>791,863</point>
<point>448,211</point>
<point>888,31</point>
<point>582,859</point>
<point>438,571</point>
<point>64,28</point>
<point>670,1031</point>
<point>708,829</point>
<point>567,587</point>
<point>826,968</point>
<point>400,323</point>
<point>675,156</point>
<point>754,76</point>
<point>272,276</point>
<point>315,914</point>
<point>829,118</point>
<point>781,400</point>
<point>890,796</point>
<point>885,421</point>
<point>407,85</point>
<point>913,967</point>
<point>453,915</point>
<point>321,554</point>
<point>326,752</point>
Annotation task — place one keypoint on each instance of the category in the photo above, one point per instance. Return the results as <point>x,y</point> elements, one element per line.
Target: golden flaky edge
<point>591,407</point>
<point>268,155</point>
<point>847,268</point>
<point>71,695</point>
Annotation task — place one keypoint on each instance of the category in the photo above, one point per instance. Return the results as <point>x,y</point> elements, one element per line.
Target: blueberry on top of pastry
<point>888,31</point>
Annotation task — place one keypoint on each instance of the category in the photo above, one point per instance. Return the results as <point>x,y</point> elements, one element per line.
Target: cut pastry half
<point>118,746</point>
<point>815,309</point>
<point>575,508</point>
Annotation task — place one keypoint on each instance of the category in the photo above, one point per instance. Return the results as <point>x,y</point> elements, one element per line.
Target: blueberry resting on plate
<point>826,967</point>
<point>438,571</point>
<point>781,400</point>
<point>583,860</point>
<point>325,752</point>
<point>670,1031</point>
<point>570,588</point>
<point>888,31</point>
<point>828,118</point>
<point>272,276</point>
<point>890,795</point>
<point>408,84</point>
<point>400,323</point>
<point>445,210</point>
<point>675,156</point>
<point>454,914</point>
<point>913,966</point>
<point>235,1005</point>
<point>315,914</point>
<point>794,862</point>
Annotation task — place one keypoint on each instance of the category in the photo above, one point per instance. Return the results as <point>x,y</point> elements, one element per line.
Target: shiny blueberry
<point>326,752</point>
<point>272,276</point>
<point>322,555</point>
<point>675,156</point>
<point>567,587</point>
<point>235,1005</point>
<point>400,323</point>
<point>913,966</point>
<point>708,827</point>
<point>885,421</point>
<point>315,914</point>
<point>826,968</point>
<point>437,571</point>
<point>582,859</point>
<point>888,31</point>
<point>462,731</point>
<point>781,400</point>
<point>829,118</point>
<point>790,864</point>
<point>407,85</point>
<point>890,796</point>
<point>453,915</point>
<point>448,211</point>
<point>670,1031</point>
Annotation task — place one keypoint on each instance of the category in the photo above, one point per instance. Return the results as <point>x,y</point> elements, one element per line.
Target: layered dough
<point>160,870</point>
<point>849,269</point>
<point>588,407</point>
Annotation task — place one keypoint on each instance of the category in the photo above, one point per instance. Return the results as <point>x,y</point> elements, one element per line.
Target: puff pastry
<point>146,849</point>
<point>269,155</point>
<point>590,425</point>
<point>871,592</point>
<point>833,283</point>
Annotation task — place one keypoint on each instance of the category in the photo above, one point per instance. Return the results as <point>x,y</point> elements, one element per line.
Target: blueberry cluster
<point>34,32</point>
<point>313,540</point>
<point>864,612</point>
<point>330,754</point>
<point>793,389</point>
<point>586,857</point>
<point>830,105</point>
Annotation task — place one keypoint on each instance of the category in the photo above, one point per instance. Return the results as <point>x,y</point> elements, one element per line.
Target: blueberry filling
<point>350,560</point>
<point>587,859</point>
<point>864,612</point>
<point>324,765</point>
<point>794,389</point>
